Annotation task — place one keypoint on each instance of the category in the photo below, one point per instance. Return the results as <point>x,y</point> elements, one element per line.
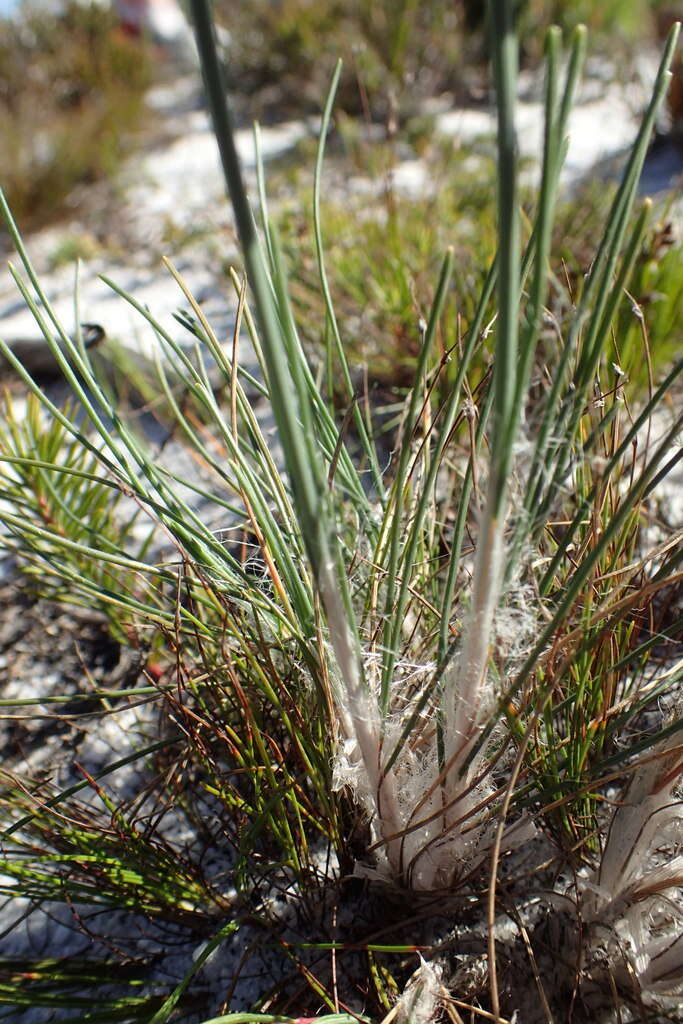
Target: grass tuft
<point>386,669</point>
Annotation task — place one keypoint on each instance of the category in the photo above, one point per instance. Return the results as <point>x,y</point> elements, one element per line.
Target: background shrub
<point>72,89</point>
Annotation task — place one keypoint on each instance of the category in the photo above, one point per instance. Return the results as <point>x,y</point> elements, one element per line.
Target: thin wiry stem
<point>466,680</point>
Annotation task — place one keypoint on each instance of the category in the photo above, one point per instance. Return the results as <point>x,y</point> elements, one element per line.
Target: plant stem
<point>465,687</point>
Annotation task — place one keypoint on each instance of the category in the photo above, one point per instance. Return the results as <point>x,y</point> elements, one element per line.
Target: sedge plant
<point>454,641</point>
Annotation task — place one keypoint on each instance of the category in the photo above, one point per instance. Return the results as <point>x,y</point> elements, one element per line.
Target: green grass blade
<point>366,441</point>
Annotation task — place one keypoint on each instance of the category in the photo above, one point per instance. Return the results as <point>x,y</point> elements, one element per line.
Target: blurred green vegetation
<point>72,91</point>
<point>396,52</point>
<point>383,249</point>
<point>283,52</point>
<point>384,244</point>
